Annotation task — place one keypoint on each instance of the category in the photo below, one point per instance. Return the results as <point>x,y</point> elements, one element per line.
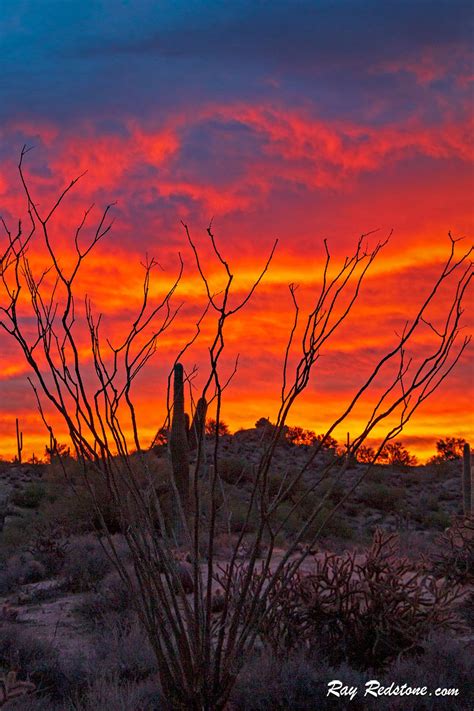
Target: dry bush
<point>380,496</point>
<point>20,569</point>
<point>29,497</point>
<point>121,651</point>
<point>455,560</point>
<point>113,599</point>
<point>49,544</point>
<point>293,684</point>
<point>40,660</point>
<point>443,662</point>
<point>85,564</point>
<point>112,694</point>
<point>299,683</point>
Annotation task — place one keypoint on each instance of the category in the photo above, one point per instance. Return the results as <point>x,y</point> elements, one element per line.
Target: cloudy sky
<point>292,120</point>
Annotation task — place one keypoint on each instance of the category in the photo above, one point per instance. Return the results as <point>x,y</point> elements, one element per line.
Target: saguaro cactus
<point>196,431</point>
<point>179,453</point>
<point>467,483</point>
<point>19,441</point>
<point>350,456</point>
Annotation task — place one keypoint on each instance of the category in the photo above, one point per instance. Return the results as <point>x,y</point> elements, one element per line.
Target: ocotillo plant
<point>179,454</point>
<point>19,441</point>
<point>467,483</point>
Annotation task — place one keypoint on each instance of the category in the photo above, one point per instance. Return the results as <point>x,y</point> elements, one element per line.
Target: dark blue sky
<point>68,59</point>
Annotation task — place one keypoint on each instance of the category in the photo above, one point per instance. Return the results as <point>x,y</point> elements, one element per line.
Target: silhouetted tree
<point>449,449</point>
<point>211,428</point>
<point>298,436</point>
<point>396,454</point>
<point>366,454</point>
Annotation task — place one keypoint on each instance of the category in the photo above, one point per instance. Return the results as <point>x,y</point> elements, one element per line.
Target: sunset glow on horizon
<point>298,121</point>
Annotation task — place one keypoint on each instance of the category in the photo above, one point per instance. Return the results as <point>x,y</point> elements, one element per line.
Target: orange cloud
<point>310,178</point>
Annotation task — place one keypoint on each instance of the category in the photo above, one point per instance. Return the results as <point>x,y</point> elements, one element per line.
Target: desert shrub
<point>236,516</point>
<point>337,526</point>
<point>112,599</point>
<point>443,662</point>
<point>430,502</point>
<point>15,536</point>
<point>364,611</point>
<point>376,475</point>
<point>111,694</point>
<point>380,496</point>
<point>48,545</point>
<point>34,703</point>
<point>19,570</point>
<point>455,557</point>
<point>85,564</point>
<point>76,508</point>
<point>334,489</point>
<point>288,486</point>
<point>297,437</point>
<point>39,659</point>
<point>234,470</point>
<point>299,683</point>
<point>294,684</point>
<point>285,515</point>
<point>29,497</point>
<point>436,519</point>
<point>124,651</point>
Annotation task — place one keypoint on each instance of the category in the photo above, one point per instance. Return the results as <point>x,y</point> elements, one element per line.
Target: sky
<point>294,120</point>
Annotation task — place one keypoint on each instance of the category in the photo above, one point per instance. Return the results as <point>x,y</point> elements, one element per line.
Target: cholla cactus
<point>11,688</point>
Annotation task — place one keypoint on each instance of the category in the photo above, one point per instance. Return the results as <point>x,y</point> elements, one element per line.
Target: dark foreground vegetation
<point>387,594</point>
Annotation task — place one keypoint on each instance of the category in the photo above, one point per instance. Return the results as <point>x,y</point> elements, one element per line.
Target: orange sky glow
<point>262,166</point>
